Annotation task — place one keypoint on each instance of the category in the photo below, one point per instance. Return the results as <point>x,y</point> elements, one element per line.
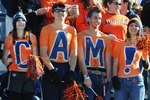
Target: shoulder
<point>9,37</point>
<point>47,27</point>
<point>8,40</point>
<point>123,16</point>
<point>46,30</point>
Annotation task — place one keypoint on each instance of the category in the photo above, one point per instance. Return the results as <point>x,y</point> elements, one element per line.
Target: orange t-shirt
<point>59,42</point>
<point>94,48</point>
<point>116,25</point>
<point>19,51</point>
<point>129,58</point>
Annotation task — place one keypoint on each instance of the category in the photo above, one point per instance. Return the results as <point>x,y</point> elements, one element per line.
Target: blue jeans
<point>131,88</point>
<point>97,86</point>
<point>148,92</point>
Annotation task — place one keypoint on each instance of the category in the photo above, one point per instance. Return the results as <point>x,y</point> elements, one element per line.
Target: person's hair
<point>15,34</point>
<point>56,5</point>
<point>135,20</point>
<point>93,10</point>
<point>86,3</point>
<point>107,1</point>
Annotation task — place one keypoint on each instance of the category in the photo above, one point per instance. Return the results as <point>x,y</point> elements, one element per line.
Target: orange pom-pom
<point>99,98</point>
<point>35,69</point>
<point>73,92</point>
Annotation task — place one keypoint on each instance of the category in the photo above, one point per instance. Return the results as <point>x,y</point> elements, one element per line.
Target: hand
<point>41,11</point>
<point>54,77</point>
<point>115,82</point>
<point>112,37</point>
<point>87,82</point>
<point>69,77</point>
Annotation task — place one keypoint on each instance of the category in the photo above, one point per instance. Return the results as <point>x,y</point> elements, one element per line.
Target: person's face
<point>95,20</point>
<point>20,24</point>
<point>146,30</point>
<point>134,29</point>
<point>114,7</point>
<point>60,13</point>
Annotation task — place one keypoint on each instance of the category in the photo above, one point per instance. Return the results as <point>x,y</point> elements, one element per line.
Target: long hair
<point>15,34</point>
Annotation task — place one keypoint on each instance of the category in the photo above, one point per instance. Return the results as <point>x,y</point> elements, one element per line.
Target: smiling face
<point>114,7</point>
<point>95,20</point>
<point>20,24</point>
<point>60,13</point>
<point>134,29</point>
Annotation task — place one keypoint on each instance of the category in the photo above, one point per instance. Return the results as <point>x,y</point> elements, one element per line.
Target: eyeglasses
<point>59,10</point>
<point>117,4</point>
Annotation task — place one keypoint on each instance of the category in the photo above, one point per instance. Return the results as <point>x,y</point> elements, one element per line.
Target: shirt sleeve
<point>44,36</point>
<point>7,42</point>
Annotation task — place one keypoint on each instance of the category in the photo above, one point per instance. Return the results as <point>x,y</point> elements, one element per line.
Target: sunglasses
<point>117,4</point>
<point>59,10</point>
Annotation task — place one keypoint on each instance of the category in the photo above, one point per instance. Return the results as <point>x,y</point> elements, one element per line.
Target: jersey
<point>116,25</point>
<point>94,48</point>
<point>129,58</point>
<point>59,42</point>
<point>19,51</point>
